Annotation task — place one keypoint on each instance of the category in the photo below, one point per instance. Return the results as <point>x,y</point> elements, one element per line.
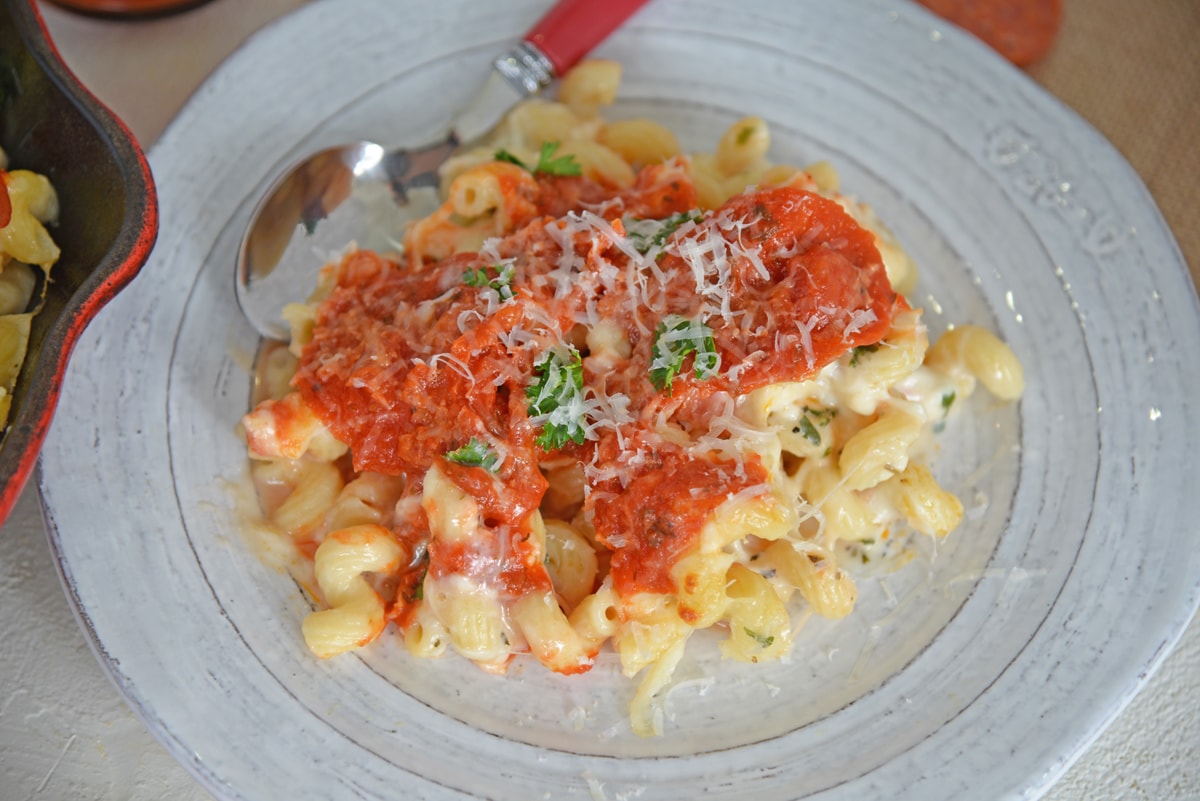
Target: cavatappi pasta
<point>612,394</point>
<point>27,204</point>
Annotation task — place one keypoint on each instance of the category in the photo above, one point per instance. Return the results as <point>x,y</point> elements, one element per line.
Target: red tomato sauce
<point>406,366</point>
<point>659,515</point>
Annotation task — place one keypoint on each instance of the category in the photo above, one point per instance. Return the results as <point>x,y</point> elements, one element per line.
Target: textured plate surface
<point>979,671</point>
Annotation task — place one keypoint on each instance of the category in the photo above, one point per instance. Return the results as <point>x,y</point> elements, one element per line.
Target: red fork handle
<point>572,28</point>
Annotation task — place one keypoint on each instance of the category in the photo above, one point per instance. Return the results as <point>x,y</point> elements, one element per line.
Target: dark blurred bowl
<point>51,124</point>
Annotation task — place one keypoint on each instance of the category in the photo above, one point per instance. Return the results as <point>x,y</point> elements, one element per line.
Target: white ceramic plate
<point>980,671</point>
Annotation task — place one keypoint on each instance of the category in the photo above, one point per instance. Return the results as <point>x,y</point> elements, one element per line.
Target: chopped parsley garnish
<point>502,283</point>
<point>504,155</point>
<point>475,454</point>
<point>809,431</point>
<point>563,165</point>
<point>860,350</point>
<point>676,337</point>
<point>546,163</point>
<point>947,402</point>
<point>807,428</point>
<point>557,395</point>
<point>764,641</point>
<point>823,417</point>
<point>416,591</point>
<point>743,136</point>
<point>647,234</point>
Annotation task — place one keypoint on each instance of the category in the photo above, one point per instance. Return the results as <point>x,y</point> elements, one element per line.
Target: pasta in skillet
<point>27,203</point>
<point>612,394</point>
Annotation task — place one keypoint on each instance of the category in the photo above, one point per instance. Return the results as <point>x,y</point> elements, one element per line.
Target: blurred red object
<point>128,8</point>
<point>1020,30</point>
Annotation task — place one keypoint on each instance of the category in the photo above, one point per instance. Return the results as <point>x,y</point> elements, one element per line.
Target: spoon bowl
<point>364,194</point>
<point>358,193</point>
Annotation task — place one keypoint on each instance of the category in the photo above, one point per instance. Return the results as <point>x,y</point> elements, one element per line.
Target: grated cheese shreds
<point>590,373</point>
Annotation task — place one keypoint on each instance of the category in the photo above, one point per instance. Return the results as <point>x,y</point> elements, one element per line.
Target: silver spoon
<point>363,192</point>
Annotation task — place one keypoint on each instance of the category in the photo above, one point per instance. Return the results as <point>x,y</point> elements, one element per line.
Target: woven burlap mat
<point>1132,69</point>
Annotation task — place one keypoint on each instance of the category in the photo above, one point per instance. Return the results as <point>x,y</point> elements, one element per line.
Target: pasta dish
<point>27,203</point>
<point>608,395</point>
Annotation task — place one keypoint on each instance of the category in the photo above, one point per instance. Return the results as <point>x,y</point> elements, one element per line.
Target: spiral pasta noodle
<point>603,402</point>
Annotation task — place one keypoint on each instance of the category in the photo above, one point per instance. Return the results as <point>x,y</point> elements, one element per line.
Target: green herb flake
<point>475,454</point>
<point>743,136</point>
<point>563,165</point>
<point>675,338</point>
<point>809,431</point>
<point>821,417</point>
<point>948,401</point>
<point>504,155</point>
<point>418,590</point>
<point>556,395</point>
<point>859,351</point>
<point>501,283</point>
<point>764,641</point>
<point>646,234</point>
<point>546,163</point>
<point>477,277</point>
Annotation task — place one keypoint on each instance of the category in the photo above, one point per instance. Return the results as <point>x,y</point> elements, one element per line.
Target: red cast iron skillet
<point>50,123</point>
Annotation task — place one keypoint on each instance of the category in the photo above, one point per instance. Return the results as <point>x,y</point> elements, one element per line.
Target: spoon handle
<point>567,33</point>
<point>572,28</point>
